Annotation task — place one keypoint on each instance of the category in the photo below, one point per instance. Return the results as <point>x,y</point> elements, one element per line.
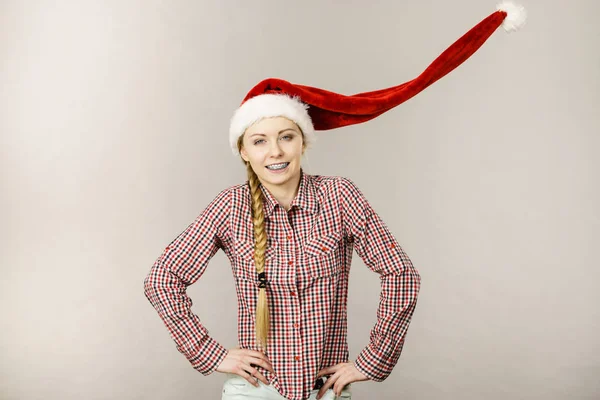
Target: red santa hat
<point>317,109</point>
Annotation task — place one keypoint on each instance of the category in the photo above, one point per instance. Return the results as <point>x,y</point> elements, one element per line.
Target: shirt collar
<point>306,198</point>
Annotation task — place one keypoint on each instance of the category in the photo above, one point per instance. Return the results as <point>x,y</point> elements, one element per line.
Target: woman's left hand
<point>341,375</point>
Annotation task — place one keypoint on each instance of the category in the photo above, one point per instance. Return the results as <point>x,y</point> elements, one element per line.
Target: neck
<point>285,194</point>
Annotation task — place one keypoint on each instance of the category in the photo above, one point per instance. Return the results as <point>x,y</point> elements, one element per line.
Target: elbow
<point>148,289</point>
<point>416,280</point>
<point>150,284</point>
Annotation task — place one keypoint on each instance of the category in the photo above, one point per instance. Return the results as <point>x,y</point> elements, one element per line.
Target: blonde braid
<point>260,246</point>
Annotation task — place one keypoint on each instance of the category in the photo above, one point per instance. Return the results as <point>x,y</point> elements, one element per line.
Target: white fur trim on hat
<point>266,106</point>
<point>515,15</point>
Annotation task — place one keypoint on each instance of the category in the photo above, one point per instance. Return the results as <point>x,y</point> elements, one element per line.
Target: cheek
<point>256,156</point>
<point>296,149</point>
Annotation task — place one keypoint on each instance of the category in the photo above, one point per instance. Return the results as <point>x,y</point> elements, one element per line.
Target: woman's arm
<point>181,264</point>
<point>400,282</point>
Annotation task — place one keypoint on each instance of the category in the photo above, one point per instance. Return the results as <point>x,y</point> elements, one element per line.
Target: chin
<point>280,180</point>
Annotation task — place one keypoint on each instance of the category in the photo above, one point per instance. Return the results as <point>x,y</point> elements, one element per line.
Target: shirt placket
<point>289,258</point>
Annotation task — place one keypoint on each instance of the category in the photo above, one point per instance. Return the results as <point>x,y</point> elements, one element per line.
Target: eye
<point>288,137</point>
<point>258,141</point>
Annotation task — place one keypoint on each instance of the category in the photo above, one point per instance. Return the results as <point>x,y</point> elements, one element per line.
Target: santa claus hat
<point>317,109</point>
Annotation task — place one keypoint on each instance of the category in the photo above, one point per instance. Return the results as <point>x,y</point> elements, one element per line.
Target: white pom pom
<point>515,15</point>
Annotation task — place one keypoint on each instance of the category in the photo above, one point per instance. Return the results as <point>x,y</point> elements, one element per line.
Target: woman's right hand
<point>242,362</point>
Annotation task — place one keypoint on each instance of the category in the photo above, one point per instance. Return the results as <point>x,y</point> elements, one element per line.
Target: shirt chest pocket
<point>244,259</point>
<point>323,256</point>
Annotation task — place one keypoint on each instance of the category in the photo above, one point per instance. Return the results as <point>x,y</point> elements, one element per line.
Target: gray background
<point>114,118</point>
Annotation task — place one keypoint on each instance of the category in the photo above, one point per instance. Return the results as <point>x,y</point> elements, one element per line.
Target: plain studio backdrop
<point>114,124</point>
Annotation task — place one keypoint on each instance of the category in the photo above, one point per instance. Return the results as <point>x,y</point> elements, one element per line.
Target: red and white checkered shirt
<point>307,266</point>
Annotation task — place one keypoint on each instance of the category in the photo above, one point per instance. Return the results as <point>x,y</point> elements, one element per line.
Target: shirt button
<point>296,326</point>
<point>297,358</point>
<point>324,248</point>
<point>289,238</point>
<point>293,293</point>
<point>393,245</point>
<point>290,262</point>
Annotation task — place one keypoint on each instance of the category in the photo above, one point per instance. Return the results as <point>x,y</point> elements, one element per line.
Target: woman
<point>289,237</point>
<point>304,230</point>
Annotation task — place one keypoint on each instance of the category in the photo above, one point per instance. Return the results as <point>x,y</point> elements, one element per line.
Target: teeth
<point>278,166</point>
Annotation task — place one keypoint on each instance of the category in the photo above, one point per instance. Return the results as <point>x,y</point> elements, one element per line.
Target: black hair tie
<point>262,281</point>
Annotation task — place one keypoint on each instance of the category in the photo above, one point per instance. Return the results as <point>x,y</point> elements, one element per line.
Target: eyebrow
<point>279,133</point>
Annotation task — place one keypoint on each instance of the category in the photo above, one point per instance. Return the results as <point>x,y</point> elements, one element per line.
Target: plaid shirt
<point>307,265</point>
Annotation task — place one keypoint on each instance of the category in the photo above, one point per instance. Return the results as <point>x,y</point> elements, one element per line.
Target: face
<point>269,143</point>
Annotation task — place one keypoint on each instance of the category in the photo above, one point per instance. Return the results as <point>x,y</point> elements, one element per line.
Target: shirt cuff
<point>373,364</point>
<point>209,356</point>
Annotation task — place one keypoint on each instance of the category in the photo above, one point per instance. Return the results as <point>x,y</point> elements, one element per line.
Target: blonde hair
<point>262,321</point>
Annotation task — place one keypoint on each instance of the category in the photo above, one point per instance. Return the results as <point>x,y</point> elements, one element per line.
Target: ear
<point>244,154</point>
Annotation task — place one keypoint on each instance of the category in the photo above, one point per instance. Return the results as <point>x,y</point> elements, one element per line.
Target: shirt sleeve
<point>181,264</point>
<point>400,282</point>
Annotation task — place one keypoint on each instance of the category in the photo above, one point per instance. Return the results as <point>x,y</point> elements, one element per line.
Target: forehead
<point>271,126</point>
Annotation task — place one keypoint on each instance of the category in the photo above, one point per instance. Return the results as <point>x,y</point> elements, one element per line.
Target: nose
<point>275,149</point>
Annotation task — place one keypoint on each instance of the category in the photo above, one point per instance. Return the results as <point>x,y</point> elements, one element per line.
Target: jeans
<point>237,388</point>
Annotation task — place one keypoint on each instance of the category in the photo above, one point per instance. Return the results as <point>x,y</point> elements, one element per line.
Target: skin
<point>242,362</point>
<point>273,141</point>
<point>342,374</point>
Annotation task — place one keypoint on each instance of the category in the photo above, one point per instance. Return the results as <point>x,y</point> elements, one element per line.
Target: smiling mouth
<point>277,167</point>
